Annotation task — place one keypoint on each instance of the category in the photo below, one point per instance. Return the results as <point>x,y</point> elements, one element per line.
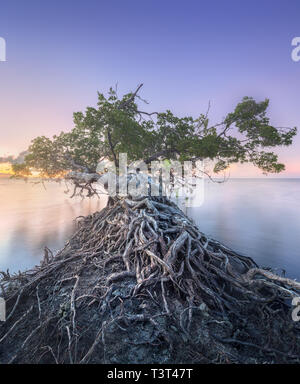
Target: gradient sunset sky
<point>59,53</point>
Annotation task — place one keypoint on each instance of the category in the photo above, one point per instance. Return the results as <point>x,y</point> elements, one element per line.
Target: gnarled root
<point>139,275</point>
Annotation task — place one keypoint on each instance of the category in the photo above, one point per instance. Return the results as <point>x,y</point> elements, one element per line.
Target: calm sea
<point>257,217</point>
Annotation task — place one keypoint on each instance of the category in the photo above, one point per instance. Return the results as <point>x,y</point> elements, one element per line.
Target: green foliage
<point>21,170</point>
<point>116,125</point>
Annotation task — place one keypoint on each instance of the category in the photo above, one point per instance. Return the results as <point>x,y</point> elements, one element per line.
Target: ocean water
<point>257,217</point>
<point>34,216</point>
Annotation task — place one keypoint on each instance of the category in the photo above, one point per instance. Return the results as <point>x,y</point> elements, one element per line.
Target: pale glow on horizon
<point>6,168</point>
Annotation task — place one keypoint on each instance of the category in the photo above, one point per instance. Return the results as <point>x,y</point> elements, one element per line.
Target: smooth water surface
<point>258,217</point>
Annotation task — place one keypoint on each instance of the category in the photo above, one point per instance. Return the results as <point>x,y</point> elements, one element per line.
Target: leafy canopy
<point>117,125</point>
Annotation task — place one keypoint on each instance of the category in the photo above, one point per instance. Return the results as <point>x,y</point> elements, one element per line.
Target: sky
<point>187,53</point>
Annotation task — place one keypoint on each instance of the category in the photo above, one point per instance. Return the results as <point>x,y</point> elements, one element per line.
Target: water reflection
<point>33,217</point>
<point>258,217</point>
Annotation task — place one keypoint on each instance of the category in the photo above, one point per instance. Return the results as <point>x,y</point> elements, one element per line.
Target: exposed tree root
<point>138,282</point>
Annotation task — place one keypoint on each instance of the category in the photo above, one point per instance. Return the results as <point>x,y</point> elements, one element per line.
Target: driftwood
<point>139,282</point>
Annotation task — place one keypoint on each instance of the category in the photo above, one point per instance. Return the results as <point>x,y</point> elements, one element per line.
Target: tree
<point>118,125</point>
<point>139,277</point>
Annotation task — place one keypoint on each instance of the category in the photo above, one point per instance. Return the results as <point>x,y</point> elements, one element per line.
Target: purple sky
<point>59,53</point>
